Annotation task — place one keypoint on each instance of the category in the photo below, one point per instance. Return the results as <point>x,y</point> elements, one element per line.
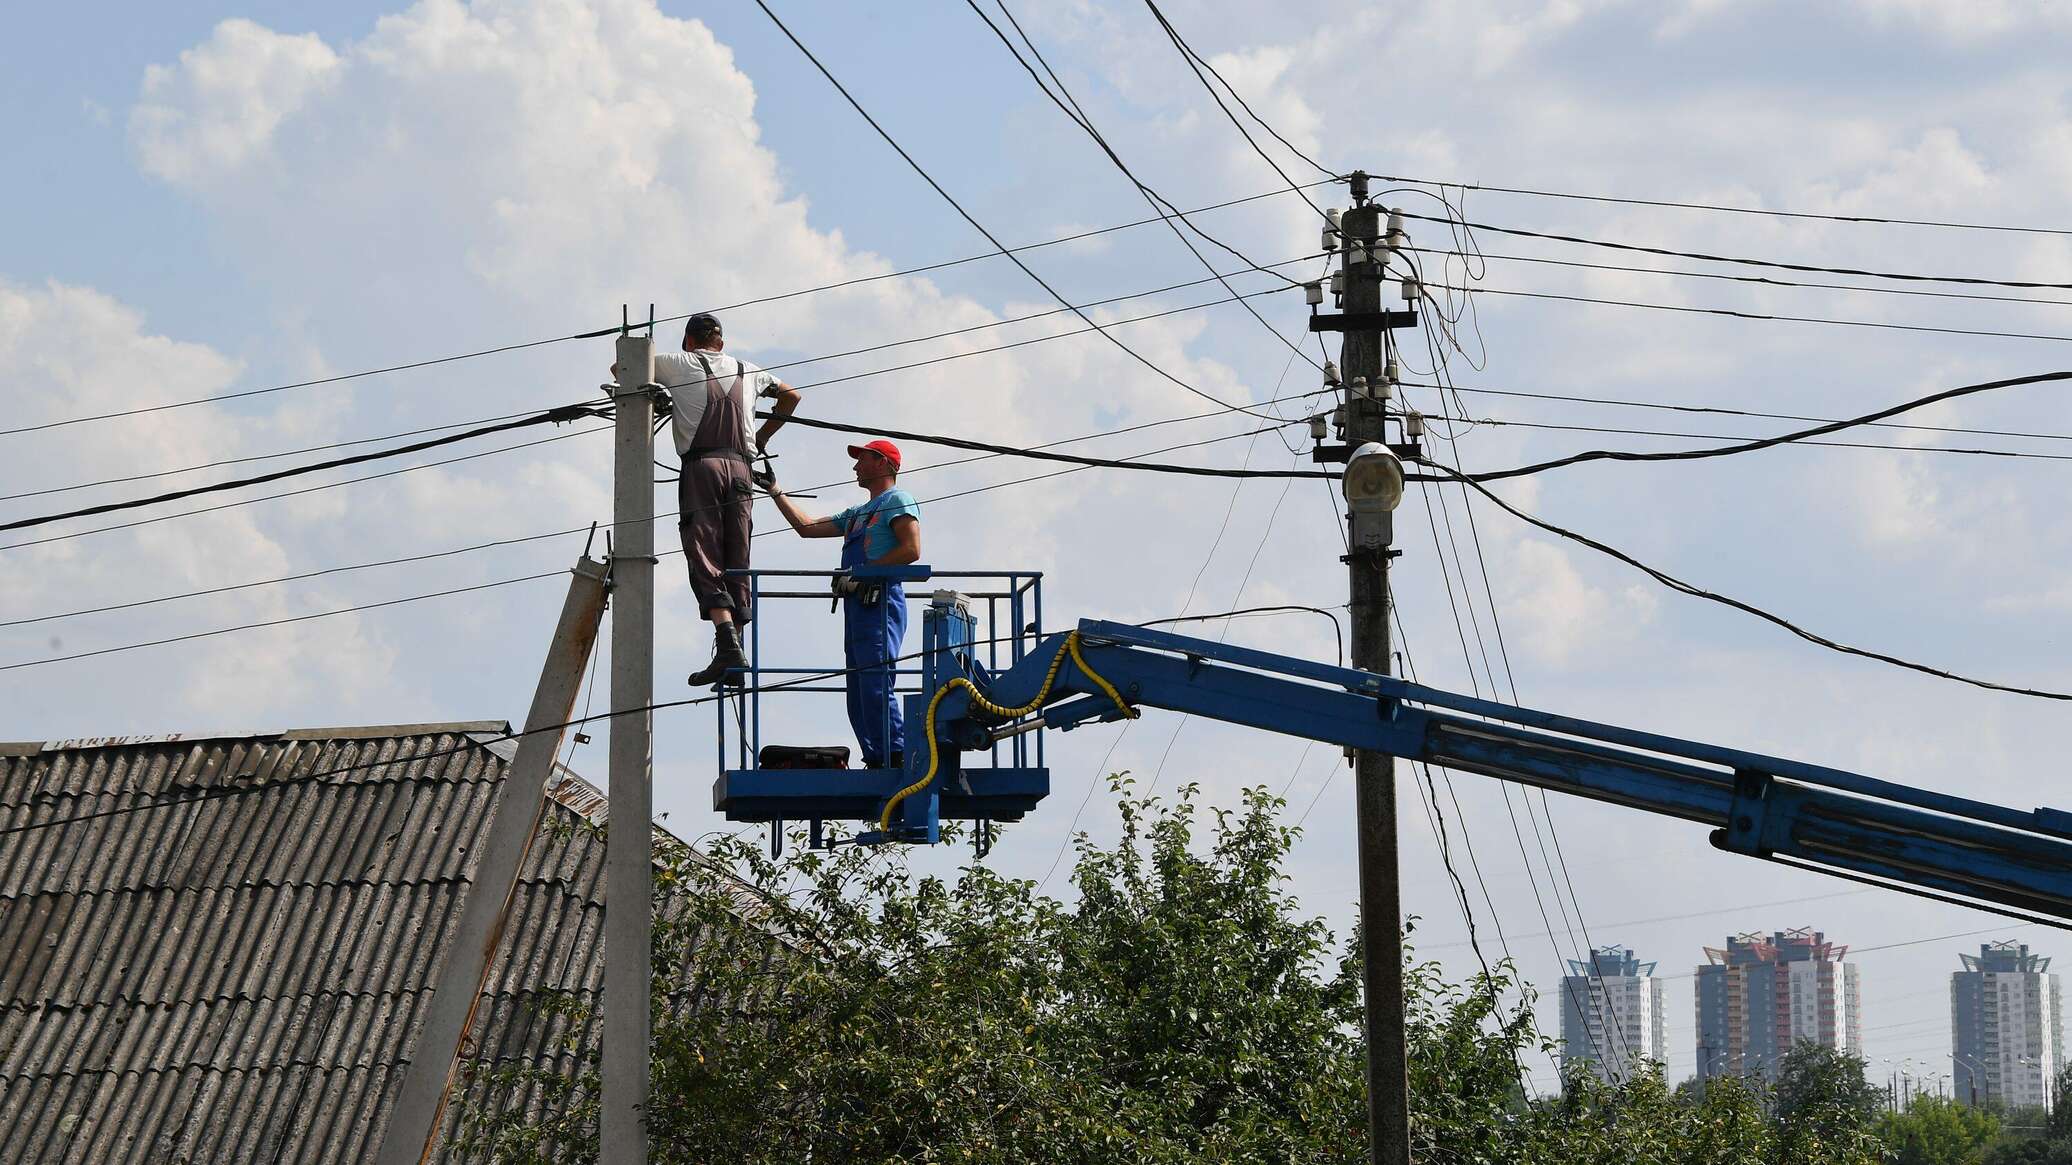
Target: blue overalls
<point>872,634</point>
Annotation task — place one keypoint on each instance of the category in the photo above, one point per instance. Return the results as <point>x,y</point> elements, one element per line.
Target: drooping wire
<point>579,529</point>
<point>1767,317</point>
<point>1970,280</point>
<point>1194,65</point>
<point>603,332</point>
<point>1729,209</point>
<point>556,416</point>
<point>1695,591</point>
<point>980,227</point>
<point>45,660</point>
<point>1820,430</point>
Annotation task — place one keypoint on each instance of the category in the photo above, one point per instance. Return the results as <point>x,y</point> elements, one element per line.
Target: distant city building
<point>1611,1014</point>
<point>1759,996</point>
<point>2007,1025</point>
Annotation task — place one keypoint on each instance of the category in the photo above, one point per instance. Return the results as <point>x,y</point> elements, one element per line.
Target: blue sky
<point>210,199</point>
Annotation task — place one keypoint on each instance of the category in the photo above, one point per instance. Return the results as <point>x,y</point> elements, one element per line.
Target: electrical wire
<point>787,364</point>
<point>1070,106</point>
<point>299,492</point>
<point>1188,55</point>
<point>499,738</point>
<point>1069,458</point>
<point>1976,281</point>
<point>1728,209</point>
<point>1721,410</point>
<point>1550,426</point>
<point>1766,317</point>
<point>1820,430</point>
<point>527,578</point>
<point>1337,629</point>
<point>1679,585</point>
<point>1685,917</point>
<point>1758,280</point>
<point>602,332</point>
<point>469,457</point>
<point>36,493</point>
<point>980,227</point>
<point>1181,43</point>
<point>516,540</point>
<point>556,416</point>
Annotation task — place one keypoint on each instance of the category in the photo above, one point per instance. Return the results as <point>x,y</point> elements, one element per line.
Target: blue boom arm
<point>1759,805</point>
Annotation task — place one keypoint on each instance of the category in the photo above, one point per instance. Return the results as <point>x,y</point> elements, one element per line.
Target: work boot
<point>726,656</point>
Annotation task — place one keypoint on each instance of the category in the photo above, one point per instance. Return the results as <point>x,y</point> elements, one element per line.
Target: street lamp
<point>1373,485</point>
<point>1973,1069</point>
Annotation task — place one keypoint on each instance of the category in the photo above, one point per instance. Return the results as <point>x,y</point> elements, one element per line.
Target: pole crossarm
<point>1763,806</point>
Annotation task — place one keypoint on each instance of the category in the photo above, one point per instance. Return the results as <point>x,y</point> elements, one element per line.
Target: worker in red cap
<point>884,530</point>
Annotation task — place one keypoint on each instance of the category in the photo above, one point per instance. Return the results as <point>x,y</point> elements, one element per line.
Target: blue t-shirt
<point>876,516</point>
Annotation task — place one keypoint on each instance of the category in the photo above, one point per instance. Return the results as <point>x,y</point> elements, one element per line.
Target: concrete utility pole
<point>1363,359</point>
<point>629,871</point>
<point>412,1130</point>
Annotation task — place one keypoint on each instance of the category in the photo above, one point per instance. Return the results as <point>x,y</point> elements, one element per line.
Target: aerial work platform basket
<point>973,624</point>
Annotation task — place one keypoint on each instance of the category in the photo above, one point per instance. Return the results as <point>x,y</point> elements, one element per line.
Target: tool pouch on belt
<point>845,585</point>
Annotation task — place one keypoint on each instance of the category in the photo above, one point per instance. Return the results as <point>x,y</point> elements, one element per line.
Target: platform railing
<point>1009,605</point>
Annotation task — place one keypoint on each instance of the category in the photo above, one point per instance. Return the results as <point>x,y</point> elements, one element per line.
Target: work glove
<point>840,586</point>
<point>764,478</point>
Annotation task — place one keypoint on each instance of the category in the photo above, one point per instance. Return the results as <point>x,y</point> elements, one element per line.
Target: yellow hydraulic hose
<point>1070,647</point>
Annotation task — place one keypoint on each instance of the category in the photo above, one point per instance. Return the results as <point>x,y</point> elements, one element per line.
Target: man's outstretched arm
<point>806,524</point>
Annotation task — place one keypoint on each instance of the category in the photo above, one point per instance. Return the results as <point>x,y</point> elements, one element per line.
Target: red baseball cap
<point>881,447</point>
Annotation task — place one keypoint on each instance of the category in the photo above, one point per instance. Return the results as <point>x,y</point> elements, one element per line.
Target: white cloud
<point>88,353</point>
<point>221,104</point>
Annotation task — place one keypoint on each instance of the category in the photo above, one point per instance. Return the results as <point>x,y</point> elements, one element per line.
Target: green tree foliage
<point>1937,1130</point>
<point>838,1007</point>
<point>1826,1111</point>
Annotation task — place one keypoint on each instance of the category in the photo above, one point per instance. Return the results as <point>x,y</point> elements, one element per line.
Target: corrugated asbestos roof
<point>240,978</point>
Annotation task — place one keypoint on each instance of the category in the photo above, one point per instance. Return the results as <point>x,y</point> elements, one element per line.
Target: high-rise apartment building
<point>2006,1025</point>
<point>1759,996</point>
<point>1611,1013</point>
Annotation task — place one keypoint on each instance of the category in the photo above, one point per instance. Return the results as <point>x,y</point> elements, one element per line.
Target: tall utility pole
<point>1362,358</point>
<point>629,871</point>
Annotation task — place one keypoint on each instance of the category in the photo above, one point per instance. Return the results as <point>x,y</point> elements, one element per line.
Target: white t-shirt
<point>683,375</point>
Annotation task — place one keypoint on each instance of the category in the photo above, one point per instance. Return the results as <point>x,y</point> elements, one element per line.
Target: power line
<point>1770,317</point>
<point>817,384</point>
<point>1660,918</point>
<point>1548,425</point>
<point>557,416</point>
<point>1070,106</point>
<point>1743,261</point>
<point>1188,55</point>
<point>1759,280</point>
<point>1264,124</point>
<point>37,493</point>
<point>503,582</point>
<point>980,227</point>
<point>311,778</point>
<point>299,492</point>
<point>1728,209</point>
<point>602,332</point>
<point>512,541</point>
<point>1762,443</point>
<point>786,364</point>
<point>528,578</point>
<point>1677,584</point>
<point>1069,458</point>
<point>1721,410</point>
